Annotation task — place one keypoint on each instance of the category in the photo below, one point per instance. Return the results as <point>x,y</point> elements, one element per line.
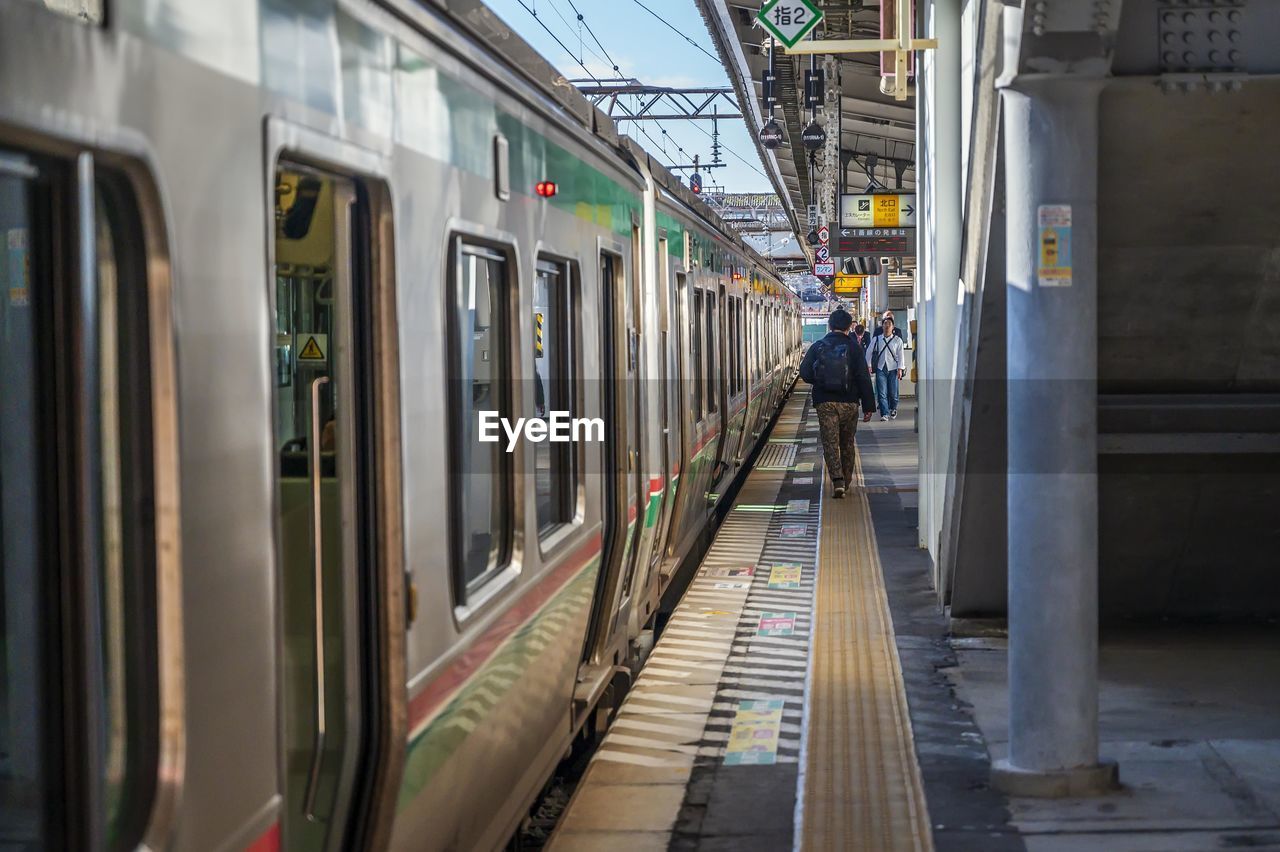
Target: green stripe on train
<point>431,749</point>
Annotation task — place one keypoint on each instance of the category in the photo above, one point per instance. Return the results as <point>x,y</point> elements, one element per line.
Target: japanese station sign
<point>881,210</point>
<point>848,285</point>
<point>789,21</point>
<point>823,264</point>
<point>876,242</point>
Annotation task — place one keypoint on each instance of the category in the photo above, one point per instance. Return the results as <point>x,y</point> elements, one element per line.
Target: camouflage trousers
<point>838,422</point>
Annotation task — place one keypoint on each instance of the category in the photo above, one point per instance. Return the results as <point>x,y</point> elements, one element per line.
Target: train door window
<point>738,348</point>
<point>712,348</point>
<point>730,343</point>
<point>77,534</point>
<point>696,366</point>
<point>479,330</point>
<point>327,338</point>
<point>554,352</point>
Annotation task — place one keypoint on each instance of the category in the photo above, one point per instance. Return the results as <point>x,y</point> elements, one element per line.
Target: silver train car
<point>269,264</point>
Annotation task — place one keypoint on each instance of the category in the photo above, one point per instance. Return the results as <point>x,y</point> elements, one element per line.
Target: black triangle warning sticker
<point>311,351</point>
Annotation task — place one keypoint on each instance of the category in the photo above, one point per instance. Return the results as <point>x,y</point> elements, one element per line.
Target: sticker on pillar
<point>753,740</point>
<point>1054,226</point>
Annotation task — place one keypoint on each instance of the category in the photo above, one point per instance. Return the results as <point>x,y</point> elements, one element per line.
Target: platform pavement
<point>1192,714</point>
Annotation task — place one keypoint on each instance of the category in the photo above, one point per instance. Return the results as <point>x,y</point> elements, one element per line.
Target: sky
<point>644,48</point>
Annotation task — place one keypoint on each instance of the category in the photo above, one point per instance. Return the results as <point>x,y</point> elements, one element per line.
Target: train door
<point>619,392</point>
<point>328,468</point>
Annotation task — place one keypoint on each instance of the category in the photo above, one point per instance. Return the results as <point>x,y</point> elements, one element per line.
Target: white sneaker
<point>882,417</point>
<point>893,415</point>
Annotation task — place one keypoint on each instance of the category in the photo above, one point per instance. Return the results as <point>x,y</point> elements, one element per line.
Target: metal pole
<point>1051,142</point>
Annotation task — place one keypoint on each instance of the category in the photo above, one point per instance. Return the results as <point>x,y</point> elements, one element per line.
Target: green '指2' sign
<point>789,20</point>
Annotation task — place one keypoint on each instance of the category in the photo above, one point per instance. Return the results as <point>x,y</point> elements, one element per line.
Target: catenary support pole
<point>1051,168</point>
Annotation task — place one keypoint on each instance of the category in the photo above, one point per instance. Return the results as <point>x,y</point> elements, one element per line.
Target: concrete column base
<point>1060,784</point>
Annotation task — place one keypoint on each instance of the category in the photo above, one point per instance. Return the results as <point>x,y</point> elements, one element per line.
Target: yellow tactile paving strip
<point>862,787</point>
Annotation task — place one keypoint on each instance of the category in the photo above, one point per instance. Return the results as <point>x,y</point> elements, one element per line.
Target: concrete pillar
<point>940,200</point>
<point>1051,150</point>
<point>880,291</point>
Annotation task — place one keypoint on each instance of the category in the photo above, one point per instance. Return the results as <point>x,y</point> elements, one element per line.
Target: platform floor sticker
<point>802,480</point>
<point>804,467</point>
<point>784,577</point>
<point>726,571</point>
<point>797,507</point>
<point>733,586</point>
<point>794,530</point>
<point>753,740</point>
<point>776,624</point>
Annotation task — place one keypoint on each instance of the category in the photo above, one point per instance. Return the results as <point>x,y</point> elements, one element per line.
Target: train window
<point>740,350</point>
<point>554,350</point>
<point>731,344</point>
<point>479,331</point>
<point>695,337</point>
<point>712,347</point>
<point>77,540</point>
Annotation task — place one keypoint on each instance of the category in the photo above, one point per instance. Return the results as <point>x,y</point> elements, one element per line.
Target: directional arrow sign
<point>878,210</point>
<point>789,20</point>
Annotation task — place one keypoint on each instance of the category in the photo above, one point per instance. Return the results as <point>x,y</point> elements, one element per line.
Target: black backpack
<point>833,368</point>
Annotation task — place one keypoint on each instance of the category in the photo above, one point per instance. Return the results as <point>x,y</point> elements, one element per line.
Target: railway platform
<point>809,693</point>
<point>772,711</point>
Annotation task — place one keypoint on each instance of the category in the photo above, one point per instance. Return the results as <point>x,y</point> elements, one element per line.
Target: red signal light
<point>546,189</point>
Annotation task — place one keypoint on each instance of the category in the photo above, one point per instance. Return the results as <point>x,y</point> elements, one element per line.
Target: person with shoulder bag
<point>835,366</point>
<point>885,362</point>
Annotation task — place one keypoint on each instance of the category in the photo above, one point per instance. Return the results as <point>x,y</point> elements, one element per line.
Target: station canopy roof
<point>872,123</point>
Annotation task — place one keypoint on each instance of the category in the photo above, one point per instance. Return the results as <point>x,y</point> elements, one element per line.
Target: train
<point>269,266</point>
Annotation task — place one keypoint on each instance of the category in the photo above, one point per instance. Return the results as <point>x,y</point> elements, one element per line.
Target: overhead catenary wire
<point>668,25</point>
<point>563,46</point>
<point>596,80</point>
<point>609,59</point>
<point>592,33</point>
<point>606,59</point>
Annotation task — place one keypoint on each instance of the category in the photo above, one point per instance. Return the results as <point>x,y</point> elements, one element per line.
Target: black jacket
<point>861,390</point>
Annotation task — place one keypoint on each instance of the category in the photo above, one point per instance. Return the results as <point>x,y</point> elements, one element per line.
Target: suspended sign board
<point>882,210</point>
<point>877,242</point>
<point>789,20</point>
<point>848,285</point>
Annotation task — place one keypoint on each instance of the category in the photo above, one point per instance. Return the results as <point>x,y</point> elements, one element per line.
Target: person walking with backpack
<point>835,366</point>
<point>884,361</point>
